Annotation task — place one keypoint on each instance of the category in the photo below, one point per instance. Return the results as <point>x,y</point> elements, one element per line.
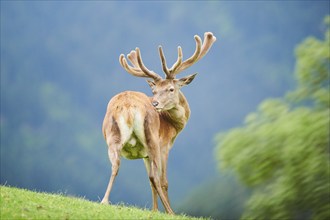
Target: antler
<point>178,66</point>
<point>138,69</point>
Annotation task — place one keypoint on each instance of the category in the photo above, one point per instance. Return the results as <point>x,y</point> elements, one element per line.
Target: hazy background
<point>59,68</point>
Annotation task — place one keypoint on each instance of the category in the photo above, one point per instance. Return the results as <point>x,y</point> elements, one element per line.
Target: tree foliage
<point>312,70</point>
<point>282,150</point>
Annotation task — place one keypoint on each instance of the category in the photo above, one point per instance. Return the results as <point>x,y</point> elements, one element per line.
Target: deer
<point>136,126</point>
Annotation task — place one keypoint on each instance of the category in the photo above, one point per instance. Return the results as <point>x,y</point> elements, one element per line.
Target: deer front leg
<point>115,162</point>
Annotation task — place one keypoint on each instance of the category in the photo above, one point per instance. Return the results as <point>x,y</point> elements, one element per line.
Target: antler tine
<point>138,69</point>
<point>209,39</point>
<point>167,71</point>
<point>133,58</point>
<point>188,62</point>
<point>201,50</point>
<point>163,60</point>
<point>178,63</point>
<point>131,70</point>
<point>144,69</point>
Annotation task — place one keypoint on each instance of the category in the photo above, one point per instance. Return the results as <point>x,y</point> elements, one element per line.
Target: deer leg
<point>163,179</point>
<point>154,177</point>
<point>153,189</point>
<point>154,159</point>
<point>115,162</point>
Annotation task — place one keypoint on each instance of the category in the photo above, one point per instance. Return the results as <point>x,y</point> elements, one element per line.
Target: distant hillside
<point>23,204</point>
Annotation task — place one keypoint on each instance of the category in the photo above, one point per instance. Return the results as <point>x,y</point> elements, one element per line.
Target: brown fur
<point>160,131</point>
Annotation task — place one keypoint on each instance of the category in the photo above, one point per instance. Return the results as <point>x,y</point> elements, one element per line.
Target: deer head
<point>166,91</point>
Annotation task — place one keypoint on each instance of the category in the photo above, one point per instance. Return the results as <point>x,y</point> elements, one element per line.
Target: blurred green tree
<point>282,151</point>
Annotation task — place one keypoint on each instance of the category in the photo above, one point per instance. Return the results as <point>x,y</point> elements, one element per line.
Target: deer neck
<point>179,115</point>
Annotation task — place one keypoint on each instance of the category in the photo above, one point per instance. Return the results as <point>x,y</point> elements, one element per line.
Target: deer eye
<point>171,89</point>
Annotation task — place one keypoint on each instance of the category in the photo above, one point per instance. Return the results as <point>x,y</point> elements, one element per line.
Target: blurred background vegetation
<point>59,68</point>
<point>282,151</point>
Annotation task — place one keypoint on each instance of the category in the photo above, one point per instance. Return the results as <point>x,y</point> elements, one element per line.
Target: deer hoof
<point>104,202</point>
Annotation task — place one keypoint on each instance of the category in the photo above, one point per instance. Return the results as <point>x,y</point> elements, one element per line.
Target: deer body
<point>140,127</point>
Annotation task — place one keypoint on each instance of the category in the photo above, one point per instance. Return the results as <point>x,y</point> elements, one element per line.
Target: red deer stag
<point>140,127</point>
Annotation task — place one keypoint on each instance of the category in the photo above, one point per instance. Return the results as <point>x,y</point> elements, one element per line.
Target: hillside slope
<point>23,204</point>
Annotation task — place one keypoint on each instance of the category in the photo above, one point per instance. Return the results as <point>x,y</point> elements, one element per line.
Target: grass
<point>23,204</point>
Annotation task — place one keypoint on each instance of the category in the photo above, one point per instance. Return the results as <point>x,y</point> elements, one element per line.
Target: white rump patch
<point>133,137</point>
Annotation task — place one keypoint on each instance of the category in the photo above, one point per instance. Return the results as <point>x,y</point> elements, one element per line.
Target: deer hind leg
<point>115,162</point>
<point>113,138</point>
<point>153,165</point>
<point>163,179</point>
<point>154,177</point>
<point>153,189</point>
<point>153,161</point>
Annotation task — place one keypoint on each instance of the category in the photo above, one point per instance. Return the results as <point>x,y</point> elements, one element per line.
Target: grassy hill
<point>23,204</point>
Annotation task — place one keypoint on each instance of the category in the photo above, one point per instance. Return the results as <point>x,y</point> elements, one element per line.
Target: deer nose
<point>155,103</point>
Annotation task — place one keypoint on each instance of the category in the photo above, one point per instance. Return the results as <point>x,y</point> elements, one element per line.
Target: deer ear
<point>186,80</point>
<point>152,84</point>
